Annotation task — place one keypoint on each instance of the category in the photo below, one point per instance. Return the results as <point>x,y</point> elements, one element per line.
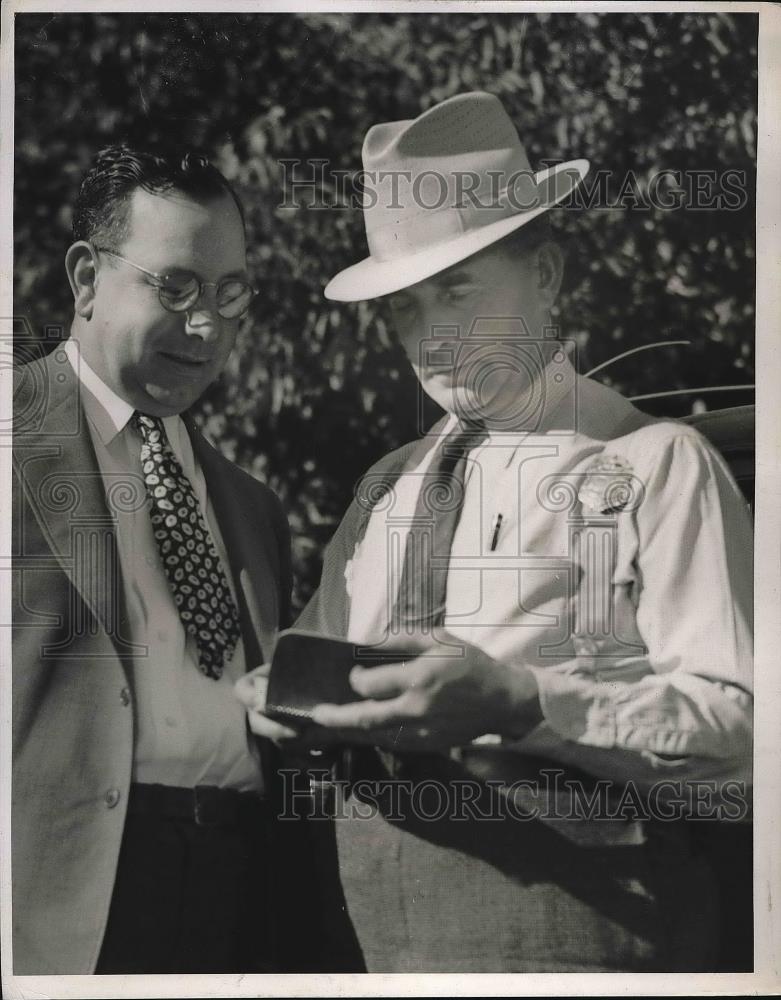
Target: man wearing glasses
<point>151,574</point>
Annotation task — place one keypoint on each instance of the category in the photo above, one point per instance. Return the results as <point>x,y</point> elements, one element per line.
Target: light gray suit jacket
<point>72,687</point>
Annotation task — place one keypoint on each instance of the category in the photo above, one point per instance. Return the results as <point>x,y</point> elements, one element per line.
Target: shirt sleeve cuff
<point>576,709</point>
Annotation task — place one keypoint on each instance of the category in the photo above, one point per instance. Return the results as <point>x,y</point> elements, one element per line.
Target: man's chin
<point>166,400</point>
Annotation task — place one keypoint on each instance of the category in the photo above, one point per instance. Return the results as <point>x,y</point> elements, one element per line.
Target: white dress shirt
<point>637,626</point>
<point>190,729</point>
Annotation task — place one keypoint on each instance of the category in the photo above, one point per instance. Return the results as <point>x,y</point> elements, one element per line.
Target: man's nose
<point>203,320</point>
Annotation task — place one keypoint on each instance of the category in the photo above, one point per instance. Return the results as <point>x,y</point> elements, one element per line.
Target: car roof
<point>730,430</point>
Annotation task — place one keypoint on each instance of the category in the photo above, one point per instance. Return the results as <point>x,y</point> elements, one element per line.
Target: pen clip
<point>496,524</point>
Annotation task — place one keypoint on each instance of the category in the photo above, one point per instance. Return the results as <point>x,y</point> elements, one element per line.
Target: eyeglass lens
<point>179,293</point>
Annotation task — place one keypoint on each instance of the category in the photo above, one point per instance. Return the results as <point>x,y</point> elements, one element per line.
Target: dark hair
<point>101,212</point>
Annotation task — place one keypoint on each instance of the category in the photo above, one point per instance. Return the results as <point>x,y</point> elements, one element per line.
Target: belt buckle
<point>328,768</point>
<point>327,776</point>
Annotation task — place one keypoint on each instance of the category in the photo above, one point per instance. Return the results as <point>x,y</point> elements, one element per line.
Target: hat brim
<point>371,278</point>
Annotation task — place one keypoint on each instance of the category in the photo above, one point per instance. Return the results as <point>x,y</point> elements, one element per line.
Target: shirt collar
<point>539,403</point>
<point>107,411</point>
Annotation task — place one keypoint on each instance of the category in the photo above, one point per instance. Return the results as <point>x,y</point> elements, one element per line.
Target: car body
<point>731,431</point>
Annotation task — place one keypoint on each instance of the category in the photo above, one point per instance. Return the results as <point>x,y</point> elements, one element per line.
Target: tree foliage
<point>314,391</point>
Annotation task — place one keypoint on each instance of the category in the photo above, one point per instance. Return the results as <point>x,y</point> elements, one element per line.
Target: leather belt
<point>204,805</point>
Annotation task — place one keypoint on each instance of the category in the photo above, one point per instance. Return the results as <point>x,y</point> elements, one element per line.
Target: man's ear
<point>550,263</point>
<point>81,266</point>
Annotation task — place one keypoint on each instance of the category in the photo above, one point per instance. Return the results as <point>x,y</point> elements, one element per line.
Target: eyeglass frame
<point>161,278</point>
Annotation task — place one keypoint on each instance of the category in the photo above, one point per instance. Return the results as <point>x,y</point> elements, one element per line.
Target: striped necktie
<point>420,604</point>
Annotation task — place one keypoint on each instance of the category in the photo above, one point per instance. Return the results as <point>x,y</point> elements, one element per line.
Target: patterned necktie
<point>420,605</point>
<point>195,575</point>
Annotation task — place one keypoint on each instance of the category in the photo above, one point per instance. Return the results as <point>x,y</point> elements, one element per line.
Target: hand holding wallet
<point>310,669</point>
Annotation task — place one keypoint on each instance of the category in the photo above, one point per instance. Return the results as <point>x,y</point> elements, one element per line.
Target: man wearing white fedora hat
<point>571,580</point>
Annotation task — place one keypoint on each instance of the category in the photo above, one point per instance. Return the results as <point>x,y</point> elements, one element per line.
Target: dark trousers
<point>193,886</point>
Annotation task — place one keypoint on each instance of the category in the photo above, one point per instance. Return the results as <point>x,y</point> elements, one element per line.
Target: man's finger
<point>413,644</point>
<point>250,688</point>
<point>438,643</point>
<point>261,725</point>
<point>380,682</point>
<point>360,714</point>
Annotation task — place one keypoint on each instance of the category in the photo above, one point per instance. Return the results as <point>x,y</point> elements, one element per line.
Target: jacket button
<point>111,798</point>
<point>124,696</point>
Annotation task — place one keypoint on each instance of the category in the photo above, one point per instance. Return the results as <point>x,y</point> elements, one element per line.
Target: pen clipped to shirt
<point>496,525</point>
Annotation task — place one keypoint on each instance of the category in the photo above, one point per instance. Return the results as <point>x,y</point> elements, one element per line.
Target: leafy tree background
<point>315,391</point>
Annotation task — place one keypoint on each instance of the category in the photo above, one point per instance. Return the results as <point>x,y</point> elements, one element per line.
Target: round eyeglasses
<point>178,291</point>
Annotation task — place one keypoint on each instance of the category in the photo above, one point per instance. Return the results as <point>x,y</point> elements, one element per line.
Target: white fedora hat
<point>441,187</point>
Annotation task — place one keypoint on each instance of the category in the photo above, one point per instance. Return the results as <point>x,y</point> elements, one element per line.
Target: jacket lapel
<point>378,482</point>
<point>60,479</point>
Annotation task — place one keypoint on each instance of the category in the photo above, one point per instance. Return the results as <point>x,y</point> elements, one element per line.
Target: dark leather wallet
<point>310,669</point>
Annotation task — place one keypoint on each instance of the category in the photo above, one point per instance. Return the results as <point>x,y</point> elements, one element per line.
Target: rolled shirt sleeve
<point>686,703</point>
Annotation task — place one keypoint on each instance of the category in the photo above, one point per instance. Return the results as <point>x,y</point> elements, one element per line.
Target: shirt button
<point>124,696</point>
<point>162,635</point>
<point>150,560</point>
<point>111,798</point>
<point>170,721</point>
